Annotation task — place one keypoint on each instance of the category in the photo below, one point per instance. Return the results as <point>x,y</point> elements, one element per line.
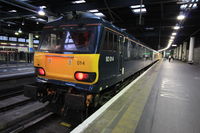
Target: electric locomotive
<point>81,56</point>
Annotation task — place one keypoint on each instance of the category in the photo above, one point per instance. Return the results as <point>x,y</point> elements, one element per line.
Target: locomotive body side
<point>78,61</point>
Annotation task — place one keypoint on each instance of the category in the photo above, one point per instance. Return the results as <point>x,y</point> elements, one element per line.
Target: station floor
<point>9,70</point>
<point>165,100</point>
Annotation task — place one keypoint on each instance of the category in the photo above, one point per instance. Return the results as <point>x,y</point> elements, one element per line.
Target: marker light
<point>81,76</point>
<point>85,76</point>
<point>40,71</point>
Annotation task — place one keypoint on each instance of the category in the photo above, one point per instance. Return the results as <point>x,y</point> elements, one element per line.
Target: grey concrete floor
<point>174,103</point>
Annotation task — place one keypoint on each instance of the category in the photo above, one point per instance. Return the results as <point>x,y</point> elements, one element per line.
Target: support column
<point>30,48</point>
<point>184,51</point>
<point>164,54</point>
<point>177,53</point>
<point>30,42</point>
<point>174,53</point>
<point>180,52</point>
<point>191,50</point>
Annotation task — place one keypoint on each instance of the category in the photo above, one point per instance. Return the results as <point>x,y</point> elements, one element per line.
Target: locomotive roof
<point>82,18</point>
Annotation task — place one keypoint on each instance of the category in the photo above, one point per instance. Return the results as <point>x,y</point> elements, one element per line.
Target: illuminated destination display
<point>14,39</point>
<point>4,38</point>
<point>36,41</point>
<point>21,40</point>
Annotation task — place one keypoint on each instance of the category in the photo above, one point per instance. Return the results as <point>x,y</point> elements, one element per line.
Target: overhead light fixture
<point>174,45</point>
<point>37,22</point>
<point>181,17</point>
<point>41,12</point>
<point>78,1</point>
<point>36,36</point>
<point>184,6</point>
<point>23,22</point>
<point>16,33</point>
<point>142,10</point>
<point>172,37</point>
<point>92,11</point>
<point>99,14</point>
<point>194,5</point>
<point>176,27</point>
<point>43,7</point>
<point>174,33</point>
<point>137,6</point>
<point>19,31</point>
<point>12,11</point>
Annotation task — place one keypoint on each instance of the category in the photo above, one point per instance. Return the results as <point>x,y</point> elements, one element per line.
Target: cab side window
<point>106,45</point>
<point>110,42</point>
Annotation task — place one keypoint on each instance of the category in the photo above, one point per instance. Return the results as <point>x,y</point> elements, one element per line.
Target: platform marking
<point>81,127</point>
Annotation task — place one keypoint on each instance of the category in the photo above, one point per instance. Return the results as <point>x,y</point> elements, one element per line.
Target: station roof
<point>154,26</point>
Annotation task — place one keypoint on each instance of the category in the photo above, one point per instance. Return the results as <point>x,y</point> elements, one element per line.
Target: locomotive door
<point>121,68</point>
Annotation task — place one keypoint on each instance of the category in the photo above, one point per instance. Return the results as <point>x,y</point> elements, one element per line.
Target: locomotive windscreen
<point>73,39</point>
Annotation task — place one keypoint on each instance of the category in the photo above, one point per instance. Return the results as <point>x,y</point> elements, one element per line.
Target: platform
<point>165,99</point>
<point>13,70</point>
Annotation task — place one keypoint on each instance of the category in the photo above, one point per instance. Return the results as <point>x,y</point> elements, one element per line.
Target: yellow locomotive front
<point>68,55</point>
<point>66,66</point>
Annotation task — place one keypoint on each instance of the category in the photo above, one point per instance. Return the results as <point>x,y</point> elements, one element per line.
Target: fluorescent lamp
<point>78,1</point>
<point>41,12</point>
<point>16,33</point>
<point>95,10</point>
<point>181,17</point>
<point>143,10</point>
<point>36,36</point>
<point>174,45</point>
<point>12,11</point>
<point>176,27</point>
<point>195,5</point>
<point>99,14</point>
<point>183,6</point>
<point>174,33</point>
<point>43,7</point>
<point>190,5</point>
<point>137,6</point>
<point>20,31</point>
<point>172,37</point>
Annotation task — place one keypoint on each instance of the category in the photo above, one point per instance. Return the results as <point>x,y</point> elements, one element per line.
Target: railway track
<point>19,112</point>
<point>26,115</point>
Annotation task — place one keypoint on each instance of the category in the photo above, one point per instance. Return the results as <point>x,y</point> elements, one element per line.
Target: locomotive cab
<point>68,55</point>
<point>67,65</point>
